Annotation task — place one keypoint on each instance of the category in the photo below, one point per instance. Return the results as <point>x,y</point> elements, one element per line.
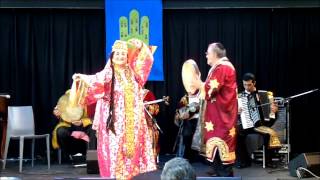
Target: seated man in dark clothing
<point>254,120</point>
<point>73,136</point>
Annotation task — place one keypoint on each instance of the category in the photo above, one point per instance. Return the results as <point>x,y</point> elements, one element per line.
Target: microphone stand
<point>179,138</point>
<point>287,102</point>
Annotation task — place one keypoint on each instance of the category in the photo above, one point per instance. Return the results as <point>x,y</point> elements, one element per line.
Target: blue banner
<point>140,19</point>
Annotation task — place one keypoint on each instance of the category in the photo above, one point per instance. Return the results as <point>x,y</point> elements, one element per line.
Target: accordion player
<point>256,109</point>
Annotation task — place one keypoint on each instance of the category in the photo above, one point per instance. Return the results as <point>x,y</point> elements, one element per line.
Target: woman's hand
<point>56,112</point>
<point>136,43</point>
<point>77,76</point>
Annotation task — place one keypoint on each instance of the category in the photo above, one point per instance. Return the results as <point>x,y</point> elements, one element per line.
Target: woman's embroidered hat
<point>120,45</point>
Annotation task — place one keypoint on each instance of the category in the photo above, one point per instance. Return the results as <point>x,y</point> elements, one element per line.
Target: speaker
<point>310,161</point>
<point>92,162</point>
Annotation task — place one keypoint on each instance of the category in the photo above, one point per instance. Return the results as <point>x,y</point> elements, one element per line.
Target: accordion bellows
<point>250,114</point>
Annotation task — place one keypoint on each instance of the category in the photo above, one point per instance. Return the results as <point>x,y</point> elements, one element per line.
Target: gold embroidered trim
<point>232,132</point>
<point>274,141</point>
<point>225,154</point>
<point>128,85</point>
<point>214,84</point>
<point>54,140</point>
<point>209,126</point>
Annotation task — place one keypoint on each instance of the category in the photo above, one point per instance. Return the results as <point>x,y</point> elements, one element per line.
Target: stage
<point>67,171</point>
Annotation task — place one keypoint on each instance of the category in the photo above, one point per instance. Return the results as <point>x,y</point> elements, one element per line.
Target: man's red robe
<point>221,112</point>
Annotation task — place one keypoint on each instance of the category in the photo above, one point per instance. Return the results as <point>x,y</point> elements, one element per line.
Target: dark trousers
<point>221,169</point>
<point>243,156</point>
<point>71,145</point>
<point>189,127</point>
<point>184,138</point>
<point>189,153</point>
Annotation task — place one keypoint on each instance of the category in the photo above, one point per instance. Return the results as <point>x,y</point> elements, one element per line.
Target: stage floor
<point>67,171</point>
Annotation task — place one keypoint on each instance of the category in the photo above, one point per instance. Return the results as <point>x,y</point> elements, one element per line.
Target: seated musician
<point>259,126</point>
<point>153,110</point>
<point>74,136</point>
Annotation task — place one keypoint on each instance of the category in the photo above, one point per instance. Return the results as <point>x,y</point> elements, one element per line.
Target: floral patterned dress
<point>127,151</point>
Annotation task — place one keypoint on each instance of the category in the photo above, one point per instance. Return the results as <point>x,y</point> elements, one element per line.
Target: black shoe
<point>225,174</point>
<point>78,158</point>
<point>231,174</point>
<point>159,167</point>
<point>212,173</point>
<point>271,165</point>
<point>243,165</point>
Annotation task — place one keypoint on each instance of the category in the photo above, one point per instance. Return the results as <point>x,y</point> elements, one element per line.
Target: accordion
<point>252,111</point>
